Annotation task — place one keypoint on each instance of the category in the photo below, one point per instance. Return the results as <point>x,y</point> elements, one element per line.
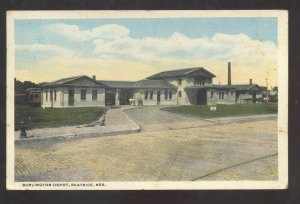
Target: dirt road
<point>240,151</point>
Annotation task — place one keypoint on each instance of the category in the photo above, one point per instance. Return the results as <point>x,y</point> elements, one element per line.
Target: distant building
<point>273,95</point>
<point>176,87</point>
<point>34,96</point>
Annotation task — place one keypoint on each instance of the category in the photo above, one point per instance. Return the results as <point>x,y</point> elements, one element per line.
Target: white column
<point>117,101</point>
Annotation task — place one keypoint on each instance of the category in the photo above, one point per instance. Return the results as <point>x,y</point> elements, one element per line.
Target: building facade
<point>80,91</point>
<point>191,86</point>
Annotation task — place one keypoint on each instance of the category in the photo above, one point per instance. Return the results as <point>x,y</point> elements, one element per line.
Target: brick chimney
<point>250,81</point>
<point>229,73</point>
<point>94,77</point>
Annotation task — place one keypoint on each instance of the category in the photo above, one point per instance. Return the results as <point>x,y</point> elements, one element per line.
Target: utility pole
<point>267,86</point>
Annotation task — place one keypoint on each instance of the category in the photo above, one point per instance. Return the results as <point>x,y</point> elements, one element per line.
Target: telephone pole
<point>267,86</point>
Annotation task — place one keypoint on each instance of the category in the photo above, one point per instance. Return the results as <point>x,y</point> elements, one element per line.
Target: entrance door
<point>124,96</point>
<point>71,97</point>
<point>158,97</point>
<point>201,97</point>
<point>110,98</point>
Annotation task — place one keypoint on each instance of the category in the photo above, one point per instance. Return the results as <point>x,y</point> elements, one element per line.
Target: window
<point>36,96</point>
<point>46,95</point>
<point>94,95</point>
<point>179,93</point>
<point>151,95</point>
<point>198,81</point>
<point>179,81</point>
<point>55,95</point>
<point>166,95</point>
<point>83,95</point>
<point>211,95</point>
<point>170,94</point>
<point>146,94</point>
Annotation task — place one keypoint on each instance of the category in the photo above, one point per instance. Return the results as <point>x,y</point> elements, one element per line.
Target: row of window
<point>82,95</point>
<point>197,81</point>
<point>221,95</point>
<point>168,95</point>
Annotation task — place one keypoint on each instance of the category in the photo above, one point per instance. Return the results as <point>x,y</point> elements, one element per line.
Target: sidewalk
<point>116,122</point>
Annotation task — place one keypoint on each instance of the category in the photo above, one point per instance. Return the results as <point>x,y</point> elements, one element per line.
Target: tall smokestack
<point>250,81</point>
<point>229,73</point>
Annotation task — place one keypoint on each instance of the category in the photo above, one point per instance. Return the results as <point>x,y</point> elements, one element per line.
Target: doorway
<point>201,98</point>
<point>110,98</point>
<point>124,96</point>
<point>71,97</point>
<point>158,97</point>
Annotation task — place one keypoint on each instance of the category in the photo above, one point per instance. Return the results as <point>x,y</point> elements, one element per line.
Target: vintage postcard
<point>110,100</point>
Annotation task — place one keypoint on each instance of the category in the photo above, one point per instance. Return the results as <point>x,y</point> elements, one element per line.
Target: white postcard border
<point>282,181</point>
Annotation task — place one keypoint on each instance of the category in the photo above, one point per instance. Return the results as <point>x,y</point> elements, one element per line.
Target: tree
<point>20,87</point>
<point>275,88</point>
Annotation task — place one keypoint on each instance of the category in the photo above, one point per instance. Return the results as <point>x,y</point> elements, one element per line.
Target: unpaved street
<point>237,151</point>
<point>151,119</point>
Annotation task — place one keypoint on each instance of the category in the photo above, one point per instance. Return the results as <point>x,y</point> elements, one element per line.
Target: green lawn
<point>226,110</point>
<point>36,117</point>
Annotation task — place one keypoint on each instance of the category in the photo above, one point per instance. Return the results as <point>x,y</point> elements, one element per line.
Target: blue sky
<point>265,29</point>
<point>213,38</point>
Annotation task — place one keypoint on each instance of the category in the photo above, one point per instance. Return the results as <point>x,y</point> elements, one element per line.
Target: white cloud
<point>112,41</point>
<point>222,47</point>
<point>133,59</point>
<point>73,32</point>
<point>45,49</point>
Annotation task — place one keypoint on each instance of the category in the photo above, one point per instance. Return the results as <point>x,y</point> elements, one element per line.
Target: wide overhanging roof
<point>150,83</point>
<point>69,82</point>
<point>143,84</point>
<point>237,87</point>
<point>118,84</point>
<point>187,72</point>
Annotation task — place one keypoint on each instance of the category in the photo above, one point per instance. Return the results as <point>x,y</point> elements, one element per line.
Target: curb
<point>215,119</point>
<point>78,136</point>
<point>183,114</point>
<point>83,135</point>
<point>242,118</point>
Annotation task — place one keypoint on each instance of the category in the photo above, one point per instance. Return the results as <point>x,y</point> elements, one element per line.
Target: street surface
<point>185,149</point>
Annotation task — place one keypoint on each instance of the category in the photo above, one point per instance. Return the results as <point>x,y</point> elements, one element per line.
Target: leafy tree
<point>275,88</point>
<point>20,87</point>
